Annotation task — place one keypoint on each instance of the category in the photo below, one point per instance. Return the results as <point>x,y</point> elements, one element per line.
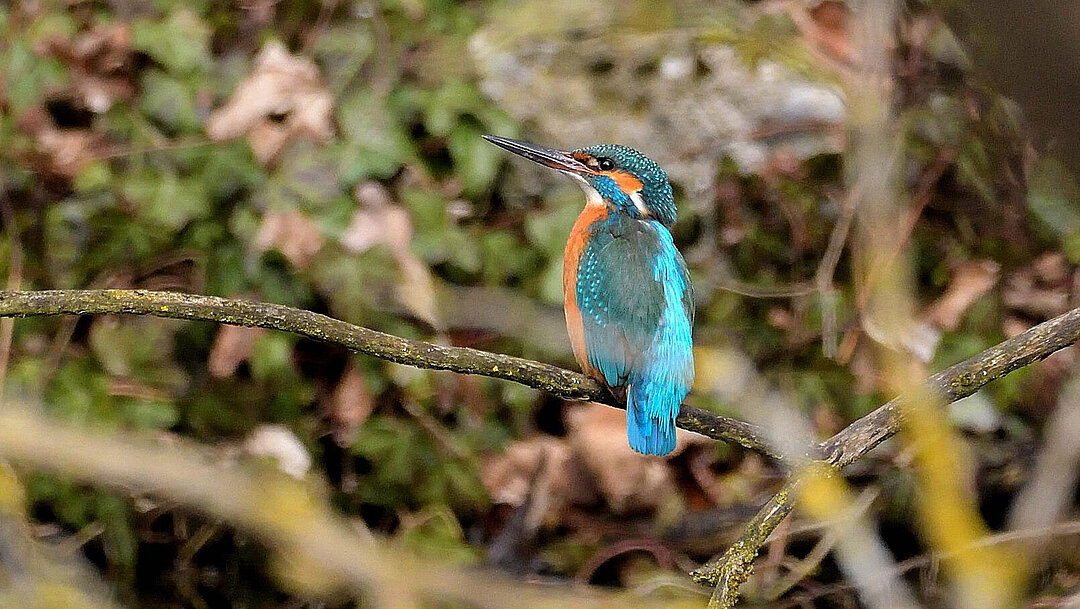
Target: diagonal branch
<point>961,380</point>
<point>552,379</point>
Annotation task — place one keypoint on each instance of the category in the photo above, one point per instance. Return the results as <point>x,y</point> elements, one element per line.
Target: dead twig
<point>7,326</point>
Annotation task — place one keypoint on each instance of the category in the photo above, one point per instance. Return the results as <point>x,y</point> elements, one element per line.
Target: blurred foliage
<point>374,211</point>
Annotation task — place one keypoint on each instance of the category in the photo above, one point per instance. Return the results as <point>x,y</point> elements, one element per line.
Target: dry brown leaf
<point>59,151</point>
<point>1051,269</point>
<point>350,405</point>
<point>508,476</point>
<point>1041,289</point>
<point>291,233</point>
<point>103,61</point>
<point>68,150</point>
<point>969,282</point>
<point>378,220</point>
<point>826,28</point>
<point>233,346</point>
<point>283,97</point>
<point>100,62</point>
<point>628,481</point>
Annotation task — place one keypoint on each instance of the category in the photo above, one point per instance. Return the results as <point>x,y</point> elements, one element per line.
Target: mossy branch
<point>731,569</point>
<point>552,379</point>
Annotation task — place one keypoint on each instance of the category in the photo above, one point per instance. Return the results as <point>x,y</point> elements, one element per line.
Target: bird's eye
<point>605,164</point>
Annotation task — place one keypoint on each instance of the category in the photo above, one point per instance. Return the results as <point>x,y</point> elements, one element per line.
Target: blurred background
<point>327,155</point>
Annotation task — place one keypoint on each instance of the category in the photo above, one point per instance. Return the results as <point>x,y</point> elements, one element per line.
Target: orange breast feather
<point>575,245</point>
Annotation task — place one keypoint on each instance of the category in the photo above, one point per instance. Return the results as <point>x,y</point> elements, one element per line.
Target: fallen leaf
<point>508,476</point>
<point>100,63</point>
<point>60,151</point>
<point>1040,289</point>
<point>1051,269</point>
<point>378,220</point>
<point>103,65</point>
<point>969,282</point>
<point>349,406</point>
<point>291,233</point>
<point>233,346</point>
<point>826,27</point>
<point>628,481</point>
<point>283,98</point>
<point>68,150</point>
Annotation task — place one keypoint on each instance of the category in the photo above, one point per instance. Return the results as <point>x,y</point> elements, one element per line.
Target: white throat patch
<point>639,203</point>
<point>592,195</point>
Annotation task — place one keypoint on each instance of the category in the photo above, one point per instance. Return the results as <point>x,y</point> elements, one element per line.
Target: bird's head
<point>617,176</point>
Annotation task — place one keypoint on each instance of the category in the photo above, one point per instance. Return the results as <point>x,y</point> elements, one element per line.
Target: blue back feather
<point>637,310</point>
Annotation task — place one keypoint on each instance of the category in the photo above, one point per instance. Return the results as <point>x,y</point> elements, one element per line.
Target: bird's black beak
<point>549,157</point>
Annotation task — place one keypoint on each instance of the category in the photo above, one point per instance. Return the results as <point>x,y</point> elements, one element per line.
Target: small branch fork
<point>729,570</point>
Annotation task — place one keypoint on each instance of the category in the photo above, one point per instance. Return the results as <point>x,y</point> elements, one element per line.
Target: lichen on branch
<point>552,379</point>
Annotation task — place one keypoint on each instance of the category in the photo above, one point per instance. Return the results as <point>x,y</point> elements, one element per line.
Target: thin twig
<point>1061,529</point>
<point>742,288</point>
<point>7,326</point>
<point>823,278</point>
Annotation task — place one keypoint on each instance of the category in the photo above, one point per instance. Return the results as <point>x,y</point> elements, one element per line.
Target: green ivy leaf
<point>166,199</point>
<point>171,101</point>
<point>1054,196</point>
<point>375,144</point>
<point>475,160</point>
<point>180,42</point>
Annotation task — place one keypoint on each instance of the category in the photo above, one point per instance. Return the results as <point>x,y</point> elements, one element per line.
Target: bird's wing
<point>621,296</point>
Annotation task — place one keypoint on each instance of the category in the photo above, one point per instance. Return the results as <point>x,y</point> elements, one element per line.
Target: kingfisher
<point>627,295</point>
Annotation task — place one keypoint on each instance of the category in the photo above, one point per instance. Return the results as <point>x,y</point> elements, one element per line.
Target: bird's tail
<point>650,419</point>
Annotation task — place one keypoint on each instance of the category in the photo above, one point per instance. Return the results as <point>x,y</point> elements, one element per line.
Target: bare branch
<point>552,379</point>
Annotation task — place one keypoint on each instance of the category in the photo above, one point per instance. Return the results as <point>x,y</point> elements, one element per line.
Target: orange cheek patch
<point>626,181</point>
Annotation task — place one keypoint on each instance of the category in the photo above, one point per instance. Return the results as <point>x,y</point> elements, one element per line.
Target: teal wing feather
<point>637,310</point>
<point>620,299</point>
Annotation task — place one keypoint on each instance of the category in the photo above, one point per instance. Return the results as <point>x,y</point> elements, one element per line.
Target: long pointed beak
<point>549,157</point>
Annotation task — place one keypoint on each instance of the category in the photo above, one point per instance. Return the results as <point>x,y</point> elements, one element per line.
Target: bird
<point>627,294</point>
